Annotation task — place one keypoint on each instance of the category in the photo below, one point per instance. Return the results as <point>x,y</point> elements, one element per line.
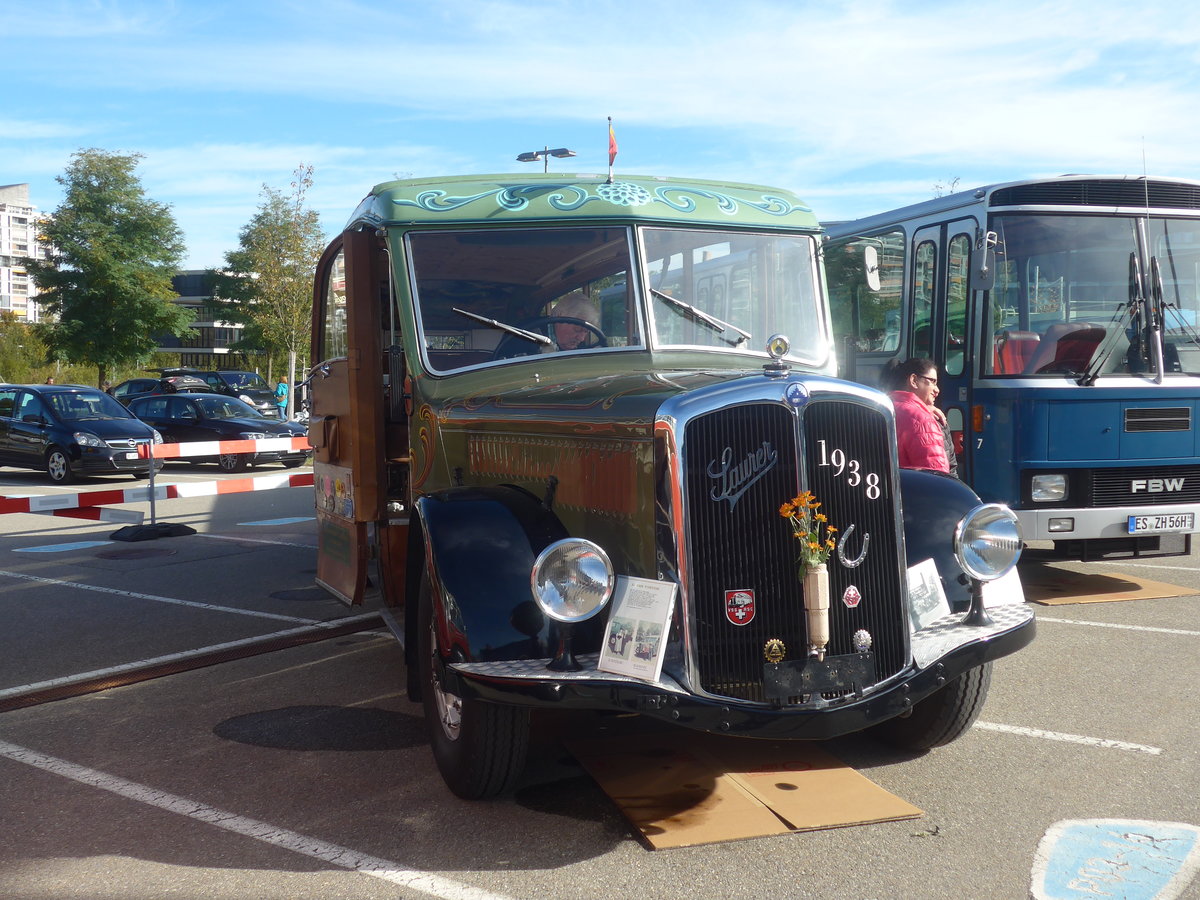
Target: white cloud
<point>853,104</point>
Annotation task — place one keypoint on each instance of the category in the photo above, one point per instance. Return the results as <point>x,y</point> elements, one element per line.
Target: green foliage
<point>267,281</point>
<point>111,253</point>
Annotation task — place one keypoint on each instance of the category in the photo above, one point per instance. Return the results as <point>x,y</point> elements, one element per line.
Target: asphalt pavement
<point>271,753</point>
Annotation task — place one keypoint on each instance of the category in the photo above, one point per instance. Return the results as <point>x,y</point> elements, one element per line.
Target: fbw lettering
<point>1155,485</point>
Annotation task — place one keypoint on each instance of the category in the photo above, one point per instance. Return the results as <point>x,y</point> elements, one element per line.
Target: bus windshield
<point>1063,303</point>
<point>727,290</point>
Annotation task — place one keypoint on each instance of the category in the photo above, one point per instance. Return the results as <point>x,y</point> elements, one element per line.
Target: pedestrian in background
<point>281,398</point>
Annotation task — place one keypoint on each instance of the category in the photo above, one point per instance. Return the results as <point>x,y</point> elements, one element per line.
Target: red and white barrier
<point>55,502</point>
<point>215,448</point>
<point>100,514</point>
<point>84,505</point>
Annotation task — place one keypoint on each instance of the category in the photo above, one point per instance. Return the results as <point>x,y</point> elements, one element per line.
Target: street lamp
<point>544,155</point>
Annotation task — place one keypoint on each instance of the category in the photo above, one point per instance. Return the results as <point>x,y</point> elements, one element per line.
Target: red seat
<point>1014,350</point>
<point>1066,347</point>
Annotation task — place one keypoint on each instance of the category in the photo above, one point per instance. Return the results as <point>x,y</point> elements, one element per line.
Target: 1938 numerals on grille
<point>848,467</point>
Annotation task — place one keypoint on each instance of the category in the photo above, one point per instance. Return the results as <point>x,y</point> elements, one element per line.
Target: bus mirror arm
<point>983,275</point>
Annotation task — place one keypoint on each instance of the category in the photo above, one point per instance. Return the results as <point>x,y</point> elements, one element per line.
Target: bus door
<point>345,423</point>
<point>939,325</point>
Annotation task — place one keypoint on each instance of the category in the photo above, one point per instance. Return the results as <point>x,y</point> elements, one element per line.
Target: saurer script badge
<point>732,479</point>
<point>739,607</point>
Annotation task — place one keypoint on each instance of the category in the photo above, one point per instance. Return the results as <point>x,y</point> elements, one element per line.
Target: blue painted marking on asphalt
<point>1124,858</point>
<point>60,548</point>
<point>287,521</point>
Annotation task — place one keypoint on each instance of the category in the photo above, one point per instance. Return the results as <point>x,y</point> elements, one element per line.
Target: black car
<point>212,417</point>
<point>69,430</point>
<point>148,387</point>
<point>249,387</point>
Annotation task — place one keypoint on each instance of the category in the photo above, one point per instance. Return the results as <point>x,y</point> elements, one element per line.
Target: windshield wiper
<point>504,326</point>
<point>1092,370</point>
<point>704,318</point>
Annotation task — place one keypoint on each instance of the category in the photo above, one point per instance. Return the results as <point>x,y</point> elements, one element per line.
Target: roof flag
<point>612,147</point>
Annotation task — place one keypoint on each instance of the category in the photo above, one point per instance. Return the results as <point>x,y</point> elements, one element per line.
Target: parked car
<point>69,430</point>
<point>182,418</point>
<point>249,387</point>
<point>147,387</point>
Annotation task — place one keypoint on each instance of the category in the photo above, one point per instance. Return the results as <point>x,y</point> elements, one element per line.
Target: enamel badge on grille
<point>739,607</point>
<point>851,597</point>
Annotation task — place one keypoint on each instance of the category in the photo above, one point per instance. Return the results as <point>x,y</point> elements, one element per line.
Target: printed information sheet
<point>637,628</point>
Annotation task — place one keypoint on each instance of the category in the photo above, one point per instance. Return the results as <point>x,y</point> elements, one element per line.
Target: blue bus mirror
<point>871,267</point>
<point>983,268</point>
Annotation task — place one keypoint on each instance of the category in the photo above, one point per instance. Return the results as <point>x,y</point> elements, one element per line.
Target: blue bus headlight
<point>1048,488</point>
<point>987,541</point>
<point>572,580</point>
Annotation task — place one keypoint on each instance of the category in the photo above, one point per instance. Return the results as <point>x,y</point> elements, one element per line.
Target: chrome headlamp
<point>988,541</point>
<point>572,580</point>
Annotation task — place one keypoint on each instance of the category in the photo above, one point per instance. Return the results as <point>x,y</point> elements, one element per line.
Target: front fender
<point>934,504</point>
<point>479,546</point>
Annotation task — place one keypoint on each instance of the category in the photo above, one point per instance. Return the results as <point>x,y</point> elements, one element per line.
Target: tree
<point>267,281</point>
<point>110,255</point>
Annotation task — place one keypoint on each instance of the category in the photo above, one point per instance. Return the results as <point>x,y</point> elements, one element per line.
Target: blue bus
<point>1062,314</point>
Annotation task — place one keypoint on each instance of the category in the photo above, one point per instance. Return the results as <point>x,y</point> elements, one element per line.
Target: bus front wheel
<point>479,747</point>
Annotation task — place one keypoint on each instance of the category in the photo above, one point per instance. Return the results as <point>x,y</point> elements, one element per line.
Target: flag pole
<point>612,149</point>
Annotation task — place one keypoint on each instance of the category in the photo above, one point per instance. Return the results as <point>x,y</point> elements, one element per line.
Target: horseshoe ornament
<point>841,549</point>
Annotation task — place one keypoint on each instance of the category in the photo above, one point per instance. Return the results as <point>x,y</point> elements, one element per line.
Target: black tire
<point>480,748</point>
<point>233,462</point>
<point>943,716</point>
<point>58,466</point>
<point>293,463</point>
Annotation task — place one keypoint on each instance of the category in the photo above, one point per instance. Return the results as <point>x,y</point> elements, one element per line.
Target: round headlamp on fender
<point>572,580</point>
<point>988,541</point>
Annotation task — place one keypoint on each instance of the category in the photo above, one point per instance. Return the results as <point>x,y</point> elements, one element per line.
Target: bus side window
<point>869,318</point>
<point>333,332</point>
<point>958,273</point>
<point>924,272</point>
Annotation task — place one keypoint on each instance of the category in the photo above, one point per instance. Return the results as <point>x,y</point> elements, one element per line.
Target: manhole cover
<point>136,553</point>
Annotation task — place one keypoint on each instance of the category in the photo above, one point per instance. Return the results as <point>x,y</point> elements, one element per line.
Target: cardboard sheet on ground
<point>1050,587</point>
<point>682,790</point>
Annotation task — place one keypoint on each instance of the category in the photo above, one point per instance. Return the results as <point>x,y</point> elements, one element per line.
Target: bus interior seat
<point>1066,346</point>
<point>1014,350</point>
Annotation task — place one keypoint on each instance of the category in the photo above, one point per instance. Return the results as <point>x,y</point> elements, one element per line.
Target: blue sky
<point>857,106</point>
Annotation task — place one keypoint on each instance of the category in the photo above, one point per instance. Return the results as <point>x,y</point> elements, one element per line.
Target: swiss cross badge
<point>739,607</point>
<point>851,597</point>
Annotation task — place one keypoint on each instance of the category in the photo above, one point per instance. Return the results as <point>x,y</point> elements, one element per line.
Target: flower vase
<point>816,608</point>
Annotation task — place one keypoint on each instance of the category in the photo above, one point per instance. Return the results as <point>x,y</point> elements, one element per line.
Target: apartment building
<point>18,242</point>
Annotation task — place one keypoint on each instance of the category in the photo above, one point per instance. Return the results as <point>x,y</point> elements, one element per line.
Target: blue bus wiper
<point>705,319</point>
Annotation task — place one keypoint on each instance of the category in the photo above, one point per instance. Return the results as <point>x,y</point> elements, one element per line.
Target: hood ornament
<point>778,347</point>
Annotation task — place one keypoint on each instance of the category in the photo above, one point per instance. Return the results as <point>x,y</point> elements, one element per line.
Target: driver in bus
<point>568,335</point>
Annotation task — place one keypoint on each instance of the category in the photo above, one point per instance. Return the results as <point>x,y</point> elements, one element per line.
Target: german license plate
<point>132,455</point>
<point>1162,524</point>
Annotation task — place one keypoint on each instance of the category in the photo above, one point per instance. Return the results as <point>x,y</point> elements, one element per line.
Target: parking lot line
<point>294,842</point>
<point>1185,632</point>
<point>61,548</point>
<point>249,540</point>
<point>193,603</point>
<point>1104,743</point>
